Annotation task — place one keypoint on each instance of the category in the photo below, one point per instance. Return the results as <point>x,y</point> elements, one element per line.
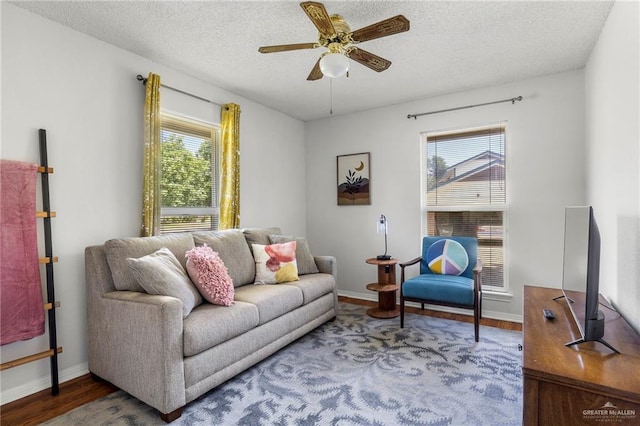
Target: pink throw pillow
<point>210,276</point>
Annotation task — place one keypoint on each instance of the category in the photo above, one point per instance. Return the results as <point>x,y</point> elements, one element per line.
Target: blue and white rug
<point>357,370</point>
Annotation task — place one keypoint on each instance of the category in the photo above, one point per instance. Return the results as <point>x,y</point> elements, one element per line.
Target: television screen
<point>575,262</point>
<point>581,273</point>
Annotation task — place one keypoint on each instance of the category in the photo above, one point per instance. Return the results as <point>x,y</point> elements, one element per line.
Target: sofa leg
<point>97,378</point>
<point>169,417</point>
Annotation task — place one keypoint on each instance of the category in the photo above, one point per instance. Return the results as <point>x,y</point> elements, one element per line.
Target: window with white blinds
<point>190,171</point>
<point>465,192</point>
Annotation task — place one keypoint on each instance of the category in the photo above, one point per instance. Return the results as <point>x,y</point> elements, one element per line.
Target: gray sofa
<point>142,344</point>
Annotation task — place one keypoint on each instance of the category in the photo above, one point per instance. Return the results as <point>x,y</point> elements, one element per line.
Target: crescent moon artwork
<point>353,179</point>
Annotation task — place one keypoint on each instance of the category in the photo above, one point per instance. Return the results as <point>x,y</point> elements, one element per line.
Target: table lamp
<point>383,226</point>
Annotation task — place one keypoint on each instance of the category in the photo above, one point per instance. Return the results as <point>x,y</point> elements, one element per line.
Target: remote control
<point>548,314</point>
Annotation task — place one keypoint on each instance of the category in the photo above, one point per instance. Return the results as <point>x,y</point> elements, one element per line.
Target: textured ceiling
<point>451,46</point>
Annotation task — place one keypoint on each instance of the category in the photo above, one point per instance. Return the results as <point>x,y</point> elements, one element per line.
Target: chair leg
<point>422,306</point>
<point>476,327</point>
<point>401,312</point>
<point>476,319</point>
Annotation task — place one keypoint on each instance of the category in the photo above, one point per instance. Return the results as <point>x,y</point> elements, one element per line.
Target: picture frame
<point>353,179</point>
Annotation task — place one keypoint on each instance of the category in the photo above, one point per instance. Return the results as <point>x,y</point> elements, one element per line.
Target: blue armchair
<point>442,287</point>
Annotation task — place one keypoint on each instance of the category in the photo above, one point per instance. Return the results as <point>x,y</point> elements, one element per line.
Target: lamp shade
<point>334,65</point>
<point>383,227</point>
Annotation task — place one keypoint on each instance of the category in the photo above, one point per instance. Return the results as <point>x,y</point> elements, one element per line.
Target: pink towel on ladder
<point>21,303</point>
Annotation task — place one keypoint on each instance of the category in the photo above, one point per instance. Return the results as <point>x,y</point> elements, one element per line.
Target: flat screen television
<point>581,273</point>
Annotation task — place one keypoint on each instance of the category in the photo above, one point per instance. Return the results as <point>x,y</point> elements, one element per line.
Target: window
<point>189,161</point>
<point>465,192</point>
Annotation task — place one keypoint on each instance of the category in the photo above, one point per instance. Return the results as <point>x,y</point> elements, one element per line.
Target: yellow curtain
<point>230,192</point>
<point>151,172</point>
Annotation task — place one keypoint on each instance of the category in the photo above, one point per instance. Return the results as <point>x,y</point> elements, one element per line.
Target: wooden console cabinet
<point>587,384</point>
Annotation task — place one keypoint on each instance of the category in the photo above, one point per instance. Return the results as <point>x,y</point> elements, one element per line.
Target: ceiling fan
<point>336,35</point>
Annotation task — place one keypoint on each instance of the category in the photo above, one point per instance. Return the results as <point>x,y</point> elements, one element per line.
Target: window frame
<point>174,122</point>
<point>503,207</point>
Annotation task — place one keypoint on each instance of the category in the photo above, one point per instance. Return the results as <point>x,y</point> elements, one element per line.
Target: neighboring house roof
<point>472,166</point>
<point>478,179</point>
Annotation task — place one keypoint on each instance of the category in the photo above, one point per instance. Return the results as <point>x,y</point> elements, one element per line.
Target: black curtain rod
<point>144,81</point>
<point>512,100</point>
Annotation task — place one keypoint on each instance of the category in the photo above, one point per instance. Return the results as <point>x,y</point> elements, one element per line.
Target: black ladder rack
<point>48,261</point>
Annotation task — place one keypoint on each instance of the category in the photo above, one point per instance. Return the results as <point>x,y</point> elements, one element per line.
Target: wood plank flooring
<point>42,406</point>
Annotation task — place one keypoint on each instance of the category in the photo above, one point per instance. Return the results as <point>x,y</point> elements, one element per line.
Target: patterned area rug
<point>356,370</point>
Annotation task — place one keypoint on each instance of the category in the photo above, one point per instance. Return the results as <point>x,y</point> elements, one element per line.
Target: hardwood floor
<point>506,325</point>
<point>42,406</point>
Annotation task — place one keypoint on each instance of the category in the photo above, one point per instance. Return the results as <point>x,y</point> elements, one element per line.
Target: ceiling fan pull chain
<point>330,96</point>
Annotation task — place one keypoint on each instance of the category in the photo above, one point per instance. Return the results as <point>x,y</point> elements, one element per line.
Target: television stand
<point>604,342</point>
<point>594,333</point>
<point>562,296</point>
<point>576,385</point>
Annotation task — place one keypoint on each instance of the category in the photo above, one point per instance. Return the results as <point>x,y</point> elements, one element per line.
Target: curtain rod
<point>512,100</point>
<point>144,81</point>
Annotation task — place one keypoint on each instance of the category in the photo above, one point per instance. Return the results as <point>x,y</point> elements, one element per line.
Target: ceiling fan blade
<point>287,47</point>
<point>315,73</point>
<point>319,16</point>
<point>395,25</point>
<point>370,60</point>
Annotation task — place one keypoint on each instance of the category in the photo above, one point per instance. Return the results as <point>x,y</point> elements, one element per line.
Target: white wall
<point>613,142</point>
<point>77,88</point>
<point>545,172</point>
<point>85,94</point>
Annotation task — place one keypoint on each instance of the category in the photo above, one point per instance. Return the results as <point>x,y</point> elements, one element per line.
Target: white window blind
<point>465,191</point>
<point>466,168</point>
<point>189,175</point>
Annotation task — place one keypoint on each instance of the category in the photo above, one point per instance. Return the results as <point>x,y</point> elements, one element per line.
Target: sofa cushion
<point>304,258</point>
<point>210,276</point>
<point>314,286</point>
<point>234,252</point>
<point>161,273</point>
<point>119,249</point>
<point>209,325</point>
<point>271,300</point>
<point>275,263</point>
<point>260,235</point>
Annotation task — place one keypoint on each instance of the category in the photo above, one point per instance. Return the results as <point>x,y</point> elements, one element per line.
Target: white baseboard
<point>502,316</point>
<point>43,383</point>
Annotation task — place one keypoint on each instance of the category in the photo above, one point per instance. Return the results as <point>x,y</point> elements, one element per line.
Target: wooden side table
<point>386,288</point>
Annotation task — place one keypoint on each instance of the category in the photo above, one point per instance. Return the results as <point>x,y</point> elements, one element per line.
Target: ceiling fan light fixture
<point>334,65</point>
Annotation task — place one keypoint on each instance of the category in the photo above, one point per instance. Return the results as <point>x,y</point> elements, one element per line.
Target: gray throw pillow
<point>304,258</point>
<point>119,249</point>
<point>260,235</point>
<point>161,273</point>
<point>234,252</point>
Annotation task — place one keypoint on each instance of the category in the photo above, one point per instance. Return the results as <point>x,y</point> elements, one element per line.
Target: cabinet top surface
<point>589,365</point>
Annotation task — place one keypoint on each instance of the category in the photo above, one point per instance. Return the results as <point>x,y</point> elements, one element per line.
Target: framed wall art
<point>354,179</point>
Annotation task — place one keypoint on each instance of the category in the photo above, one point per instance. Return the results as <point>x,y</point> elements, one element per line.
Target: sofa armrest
<point>136,343</point>
<point>327,265</point>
